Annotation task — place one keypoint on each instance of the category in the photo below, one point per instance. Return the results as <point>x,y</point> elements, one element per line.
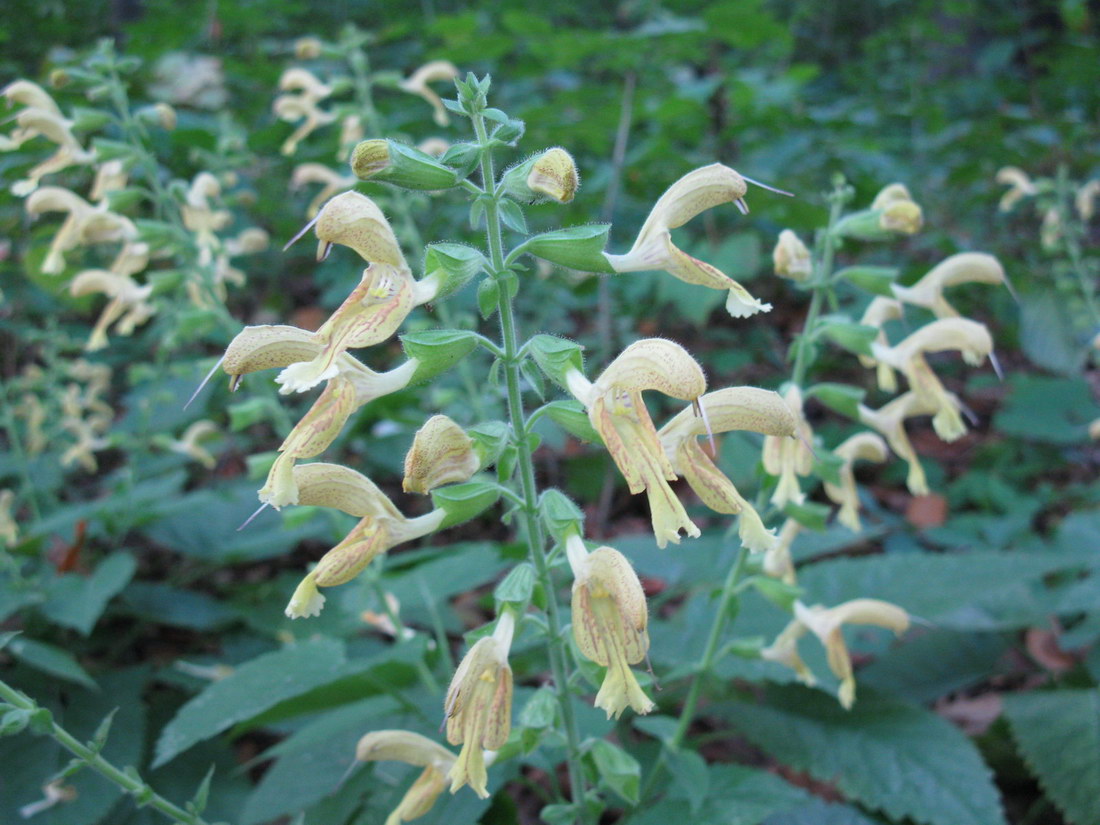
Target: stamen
<point>1011,290</point>
<point>769,188</point>
<point>205,381</point>
<point>742,206</point>
<point>248,520</point>
<point>323,251</point>
<point>697,405</point>
<point>996,364</point>
<point>301,232</point>
<point>807,445</point>
<point>971,416</point>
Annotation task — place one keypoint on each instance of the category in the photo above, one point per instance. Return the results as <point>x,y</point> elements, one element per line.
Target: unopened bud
<point>441,454</point>
<point>549,175</point>
<point>307,48</point>
<point>166,116</point>
<point>388,161</point>
<point>791,257</point>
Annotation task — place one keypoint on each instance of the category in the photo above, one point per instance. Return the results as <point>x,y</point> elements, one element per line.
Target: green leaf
<point>517,586</point>
<point>578,247</point>
<point>512,215</point>
<point>855,338</point>
<point>1058,733</point>
<point>488,297</point>
<point>735,795</point>
<point>841,398</point>
<point>935,664</point>
<point>617,768</point>
<point>254,687</point>
<point>889,755</point>
<point>51,660</point>
<point>540,710</point>
<point>165,604</point>
<point>1041,408</point>
<point>76,601</point>
<point>464,501</point>
<point>1048,335</point>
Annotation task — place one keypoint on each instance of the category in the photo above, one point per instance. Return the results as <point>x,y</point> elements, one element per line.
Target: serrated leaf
<point>736,796</point>
<point>889,755</point>
<point>1058,733</point>
<point>254,687</point>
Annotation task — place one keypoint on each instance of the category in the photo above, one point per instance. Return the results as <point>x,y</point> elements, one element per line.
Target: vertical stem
<point>536,540</point>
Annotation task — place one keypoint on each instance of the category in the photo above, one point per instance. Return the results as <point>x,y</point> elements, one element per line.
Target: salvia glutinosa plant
<point>607,617</point>
<point>466,472</point>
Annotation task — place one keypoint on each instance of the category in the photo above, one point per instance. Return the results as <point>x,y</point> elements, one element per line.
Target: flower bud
<point>441,453</point>
<point>388,161</point>
<point>551,175</point>
<point>307,48</point>
<point>166,116</point>
<point>791,257</point>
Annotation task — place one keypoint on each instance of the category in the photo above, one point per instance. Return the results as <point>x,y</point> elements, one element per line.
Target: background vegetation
<point>132,588</point>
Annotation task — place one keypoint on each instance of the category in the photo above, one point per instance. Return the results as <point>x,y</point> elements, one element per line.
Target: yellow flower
<point>412,749</point>
<point>899,212</point>
<point>827,623</point>
<point>618,413</point>
<point>478,706</point>
<point>417,84</point>
<point>41,117</point>
<point>1085,199</point>
<point>9,529</point>
<point>441,453</point>
<point>966,267</point>
<point>786,457</point>
<point>188,443</point>
<point>733,408</point>
<point>862,446</point>
<point>129,304</point>
<point>970,338</point>
<point>784,651</point>
<point>303,91</point>
<point>609,623</point>
<point>331,183</point>
<point>889,420</point>
<point>878,312</point>
<point>85,224</point>
<point>791,258</point>
<point>696,192</point>
<point>777,560</point>
<point>109,177</point>
<point>381,527</point>
<point>1020,187</point>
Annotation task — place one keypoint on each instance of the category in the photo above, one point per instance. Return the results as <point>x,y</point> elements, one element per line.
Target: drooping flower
<point>609,623</point>
<point>478,706</point>
<point>441,453</point>
<point>889,420</point>
<point>1020,187</point>
<point>777,560</point>
<point>129,305</point>
<point>827,624</point>
<point>898,211</point>
<point>618,413</point>
<point>696,192</point>
<point>189,444</point>
<point>791,258</point>
<point>381,527</point>
<point>331,183</point>
<point>788,458</point>
<point>878,312</point>
<point>41,117</point>
<point>302,91</point>
<point>784,651</point>
<point>412,749</point>
<point>109,177</point>
<point>970,338</point>
<point>733,408</point>
<point>860,447</point>
<point>963,268</point>
<point>1085,199</point>
<point>85,224</point>
<point>417,84</point>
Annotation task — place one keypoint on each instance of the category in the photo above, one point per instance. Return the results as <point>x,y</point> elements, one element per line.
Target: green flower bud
<point>388,161</point>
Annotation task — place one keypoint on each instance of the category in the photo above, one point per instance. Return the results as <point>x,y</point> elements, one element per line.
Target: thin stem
<point>819,285</point>
<point>1071,232</point>
<point>131,783</point>
<point>533,527</point>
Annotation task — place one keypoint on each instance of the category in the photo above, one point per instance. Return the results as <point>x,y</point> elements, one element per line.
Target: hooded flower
<point>381,527</point>
<point>1020,187</point>
<point>84,225</point>
<point>827,623</point>
<point>862,446</point>
<point>41,118</point>
<point>898,211</point>
<point>786,457</point>
<point>331,183</point>
<point>777,560</point>
<point>302,92</point>
<point>618,413</point>
<point>966,267</point>
<point>968,337</point>
<point>129,305</point>
<point>696,192</point>
<point>609,623</point>
<point>733,408</point>
<point>878,312</point>
<point>441,453</point>
<point>478,706</point>
<point>417,84</point>
<point>889,420</point>
<point>412,749</point>
<point>791,258</point>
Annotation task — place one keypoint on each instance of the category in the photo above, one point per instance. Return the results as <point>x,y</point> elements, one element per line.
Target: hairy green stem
<point>533,527</point>
<point>131,783</point>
